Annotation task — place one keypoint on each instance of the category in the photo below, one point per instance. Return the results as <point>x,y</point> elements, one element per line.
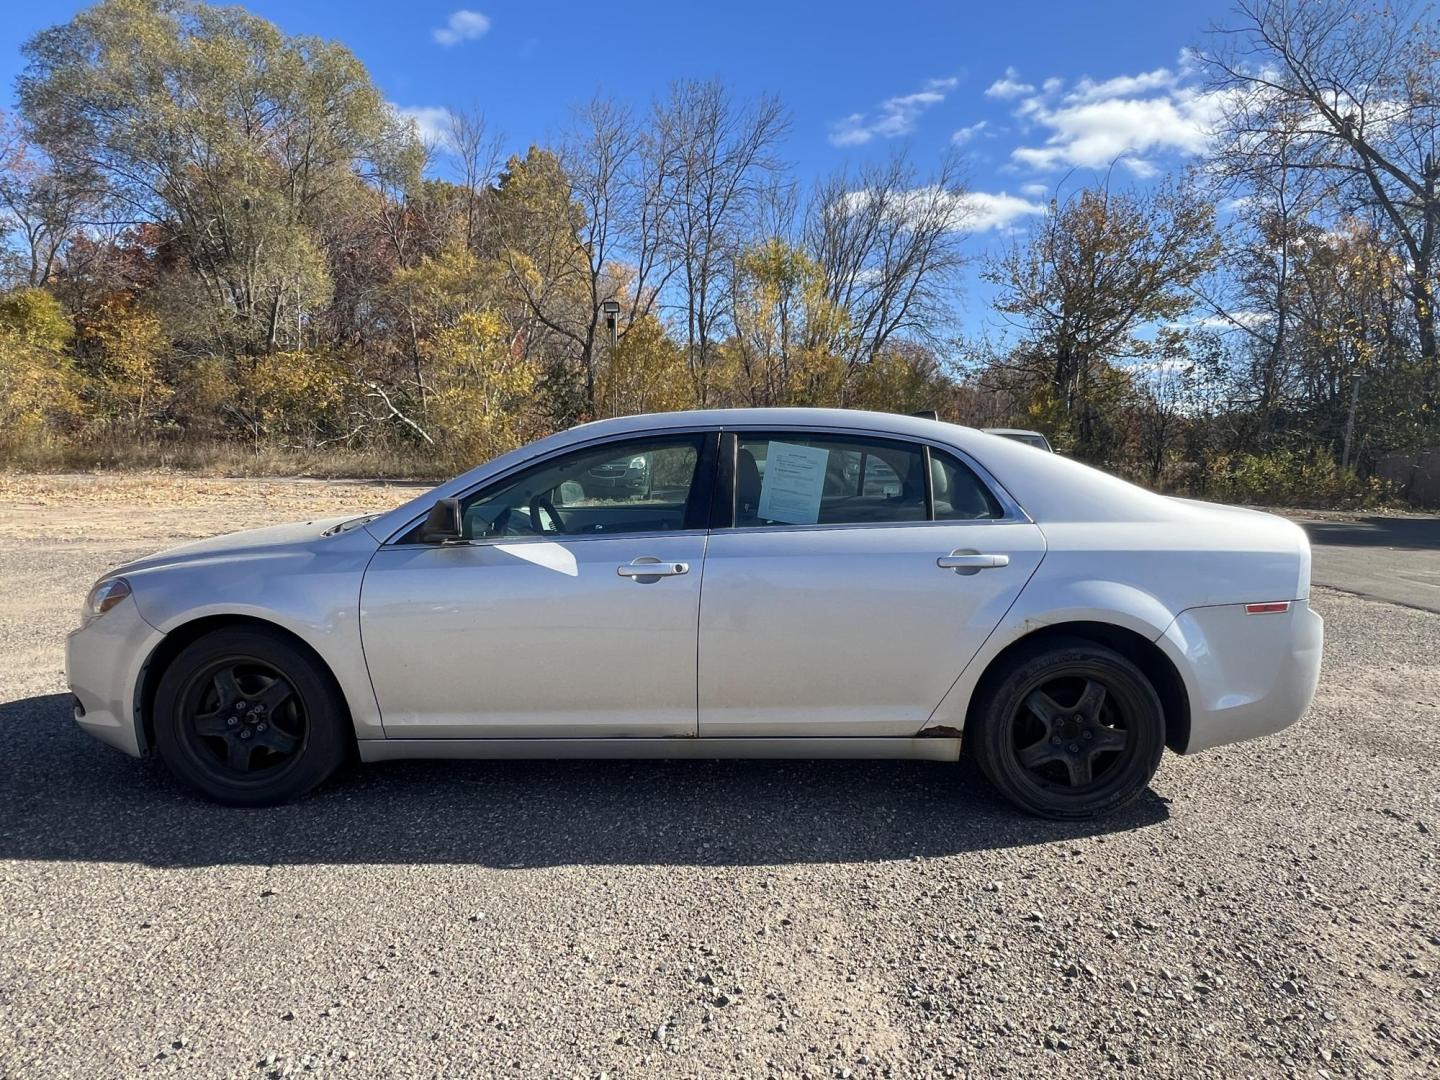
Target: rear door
<point>856,578</point>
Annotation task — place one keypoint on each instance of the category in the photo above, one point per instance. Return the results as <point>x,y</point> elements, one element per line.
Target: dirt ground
<point>1267,909</point>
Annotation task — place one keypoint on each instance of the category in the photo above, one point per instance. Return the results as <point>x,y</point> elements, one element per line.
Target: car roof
<point>894,423</point>
<point>1011,431</point>
<point>1046,486</point>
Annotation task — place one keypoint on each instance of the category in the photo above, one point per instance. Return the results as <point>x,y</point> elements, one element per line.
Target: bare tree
<point>715,161</point>
<point>45,206</point>
<point>589,228</point>
<point>888,243</point>
<point>1352,90</point>
<point>1253,294</point>
<point>477,153</point>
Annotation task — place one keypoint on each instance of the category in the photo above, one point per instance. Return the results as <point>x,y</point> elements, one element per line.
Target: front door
<point>851,591</point>
<point>570,610</point>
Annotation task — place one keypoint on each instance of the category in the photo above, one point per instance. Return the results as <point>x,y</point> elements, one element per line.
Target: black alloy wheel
<point>1069,729</point>
<point>249,717</point>
<point>1069,733</point>
<point>244,719</point>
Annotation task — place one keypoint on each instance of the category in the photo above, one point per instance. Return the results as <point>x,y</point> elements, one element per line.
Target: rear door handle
<point>647,566</point>
<point>971,562</point>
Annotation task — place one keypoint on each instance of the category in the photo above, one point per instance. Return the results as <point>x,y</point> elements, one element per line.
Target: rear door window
<point>798,478</point>
<point>959,494</point>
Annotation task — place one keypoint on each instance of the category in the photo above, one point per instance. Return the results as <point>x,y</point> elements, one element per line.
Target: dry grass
<point>230,459</point>
<point>172,490</point>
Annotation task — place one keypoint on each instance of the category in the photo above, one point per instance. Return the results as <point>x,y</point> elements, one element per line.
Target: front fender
<point>313,594</point>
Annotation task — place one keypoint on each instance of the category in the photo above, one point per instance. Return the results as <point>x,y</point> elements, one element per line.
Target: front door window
<point>643,486</point>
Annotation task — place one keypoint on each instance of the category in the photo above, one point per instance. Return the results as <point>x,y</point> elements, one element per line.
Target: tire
<point>247,718</point>
<point>1069,730</point>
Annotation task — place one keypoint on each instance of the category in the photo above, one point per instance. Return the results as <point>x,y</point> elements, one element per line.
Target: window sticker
<point>793,483</point>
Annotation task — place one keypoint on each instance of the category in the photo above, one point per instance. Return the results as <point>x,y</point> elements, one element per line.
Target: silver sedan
<point>768,583</point>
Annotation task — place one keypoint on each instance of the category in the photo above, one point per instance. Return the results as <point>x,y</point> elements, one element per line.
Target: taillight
<point>1267,609</point>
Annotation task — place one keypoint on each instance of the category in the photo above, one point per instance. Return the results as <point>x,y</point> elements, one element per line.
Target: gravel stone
<point>1288,907</point>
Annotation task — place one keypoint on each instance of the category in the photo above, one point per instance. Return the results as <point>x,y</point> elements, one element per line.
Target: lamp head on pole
<point>611,308</point>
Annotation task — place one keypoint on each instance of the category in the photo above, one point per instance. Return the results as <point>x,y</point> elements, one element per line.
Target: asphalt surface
<point>1385,557</point>
<point>1268,909</point>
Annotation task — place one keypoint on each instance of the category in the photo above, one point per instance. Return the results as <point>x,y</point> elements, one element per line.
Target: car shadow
<point>64,796</point>
<point>1391,532</point>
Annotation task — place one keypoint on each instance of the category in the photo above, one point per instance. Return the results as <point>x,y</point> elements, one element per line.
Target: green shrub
<point>1291,478</point>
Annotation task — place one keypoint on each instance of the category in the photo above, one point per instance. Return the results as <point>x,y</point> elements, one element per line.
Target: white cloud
<point>895,116</point>
<point>986,210</point>
<point>1123,85</point>
<point>462,25</point>
<point>1035,190</point>
<point>1127,118</point>
<point>1009,86</point>
<point>432,122</point>
<point>970,211</point>
<point>965,134</point>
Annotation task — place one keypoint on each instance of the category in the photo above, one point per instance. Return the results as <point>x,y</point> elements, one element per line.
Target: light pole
<point>611,308</point>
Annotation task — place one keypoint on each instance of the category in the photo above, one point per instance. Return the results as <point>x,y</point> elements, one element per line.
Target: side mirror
<point>443,524</point>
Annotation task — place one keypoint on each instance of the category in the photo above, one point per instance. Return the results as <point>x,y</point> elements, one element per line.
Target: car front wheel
<point>1069,730</point>
<point>247,718</point>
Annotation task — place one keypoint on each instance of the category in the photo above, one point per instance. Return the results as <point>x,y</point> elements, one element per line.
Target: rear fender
<point>1076,601</point>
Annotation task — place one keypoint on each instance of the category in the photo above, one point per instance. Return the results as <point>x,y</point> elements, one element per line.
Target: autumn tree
<point>123,349</point>
<point>1098,269</point>
<point>784,323</point>
<point>38,387</point>
<point>229,134</point>
<point>1355,344</point>
<point>547,270</point>
<point>645,372</point>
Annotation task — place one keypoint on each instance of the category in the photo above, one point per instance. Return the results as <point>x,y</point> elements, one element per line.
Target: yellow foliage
<point>646,373</point>
<point>784,323</point>
<point>900,381</point>
<point>203,390</point>
<point>37,389</point>
<point>480,393</point>
<point>297,393</point>
<point>126,382</point>
<point>37,317</point>
<point>439,289</point>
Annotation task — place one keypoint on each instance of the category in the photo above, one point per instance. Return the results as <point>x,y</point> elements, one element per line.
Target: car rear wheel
<point>1069,730</point>
<point>247,718</point>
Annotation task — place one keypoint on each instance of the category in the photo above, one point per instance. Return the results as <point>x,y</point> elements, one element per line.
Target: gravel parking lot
<point>1269,909</point>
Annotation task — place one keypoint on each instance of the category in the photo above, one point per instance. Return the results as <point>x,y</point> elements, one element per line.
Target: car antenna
<point>926,414</point>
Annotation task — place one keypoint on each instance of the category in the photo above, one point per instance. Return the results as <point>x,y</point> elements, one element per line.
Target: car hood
<point>248,543</point>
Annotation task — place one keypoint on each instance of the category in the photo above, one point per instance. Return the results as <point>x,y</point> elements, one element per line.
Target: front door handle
<point>971,562</point>
<point>647,566</point>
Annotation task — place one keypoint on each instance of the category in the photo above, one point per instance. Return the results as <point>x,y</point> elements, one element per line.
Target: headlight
<point>104,596</point>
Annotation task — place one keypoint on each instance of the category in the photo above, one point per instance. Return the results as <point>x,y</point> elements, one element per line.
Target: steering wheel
<point>539,505</point>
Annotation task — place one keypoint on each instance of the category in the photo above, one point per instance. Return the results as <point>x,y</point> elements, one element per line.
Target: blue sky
<point>1034,92</point>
